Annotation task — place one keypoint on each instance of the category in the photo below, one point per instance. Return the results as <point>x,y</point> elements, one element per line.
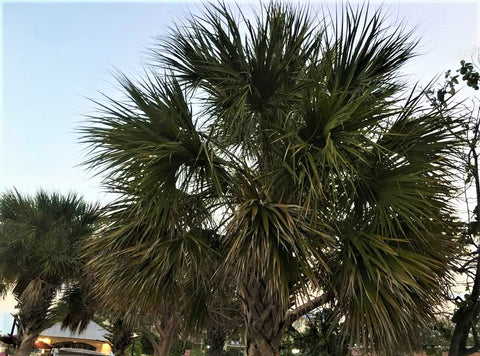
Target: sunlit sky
<point>56,55</point>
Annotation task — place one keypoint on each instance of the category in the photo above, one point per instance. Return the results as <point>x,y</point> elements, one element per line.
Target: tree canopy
<point>41,237</point>
<point>287,150</point>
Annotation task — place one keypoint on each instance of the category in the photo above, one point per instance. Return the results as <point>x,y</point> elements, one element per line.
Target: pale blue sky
<point>57,54</point>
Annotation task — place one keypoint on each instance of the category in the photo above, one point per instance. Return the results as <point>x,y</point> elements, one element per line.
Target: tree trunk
<point>460,336</point>
<point>151,339</point>
<point>165,347</point>
<point>265,320</point>
<point>261,347</point>
<point>168,334</point>
<point>26,345</point>
<point>466,316</point>
<point>33,305</point>
<point>168,337</point>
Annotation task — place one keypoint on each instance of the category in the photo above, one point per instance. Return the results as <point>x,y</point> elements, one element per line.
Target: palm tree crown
<point>290,150</point>
<point>41,239</point>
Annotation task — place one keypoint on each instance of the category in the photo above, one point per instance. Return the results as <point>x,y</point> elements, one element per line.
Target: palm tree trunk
<point>32,316</point>
<point>26,345</point>
<point>265,320</point>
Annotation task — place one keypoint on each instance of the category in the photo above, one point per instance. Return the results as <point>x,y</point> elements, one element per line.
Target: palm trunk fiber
<point>265,320</point>
<point>26,345</point>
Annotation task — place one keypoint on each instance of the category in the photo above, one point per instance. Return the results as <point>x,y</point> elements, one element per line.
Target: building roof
<point>93,331</point>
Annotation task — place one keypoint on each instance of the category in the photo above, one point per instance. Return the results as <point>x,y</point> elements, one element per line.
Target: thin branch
<point>296,313</point>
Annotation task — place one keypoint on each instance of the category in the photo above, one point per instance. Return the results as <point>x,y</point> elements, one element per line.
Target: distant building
<point>89,342</point>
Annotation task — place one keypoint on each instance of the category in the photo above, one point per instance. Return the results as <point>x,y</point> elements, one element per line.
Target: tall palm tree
<point>40,241</point>
<point>298,144</point>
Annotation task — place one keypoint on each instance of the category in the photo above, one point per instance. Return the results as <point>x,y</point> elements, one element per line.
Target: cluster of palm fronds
<point>40,255</point>
<point>284,154</point>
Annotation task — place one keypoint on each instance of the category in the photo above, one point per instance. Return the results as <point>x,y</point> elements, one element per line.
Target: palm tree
<point>159,324</point>
<point>120,337</point>
<point>296,142</point>
<point>40,239</point>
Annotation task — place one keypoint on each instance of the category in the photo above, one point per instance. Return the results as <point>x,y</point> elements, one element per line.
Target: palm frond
<point>285,155</point>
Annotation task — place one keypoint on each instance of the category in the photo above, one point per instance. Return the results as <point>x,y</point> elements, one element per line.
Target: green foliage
<point>138,349</point>
<point>147,347</point>
<point>77,306</point>
<point>41,237</point>
<point>234,352</point>
<point>467,310</point>
<point>179,347</point>
<point>469,74</point>
<point>440,97</point>
<point>40,244</point>
<point>287,152</point>
<point>322,337</point>
<point>120,336</point>
<point>437,338</point>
